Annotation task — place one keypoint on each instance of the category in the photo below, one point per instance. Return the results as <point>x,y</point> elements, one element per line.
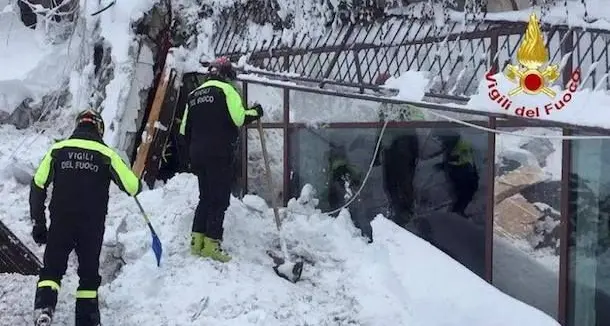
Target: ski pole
<point>156,242</point>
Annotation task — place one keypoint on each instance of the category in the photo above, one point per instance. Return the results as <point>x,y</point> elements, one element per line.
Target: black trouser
<point>398,175</point>
<point>465,180</point>
<point>84,234</point>
<point>215,175</point>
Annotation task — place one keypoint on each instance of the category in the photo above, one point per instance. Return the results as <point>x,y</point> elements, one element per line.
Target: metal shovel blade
<point>286,270</point>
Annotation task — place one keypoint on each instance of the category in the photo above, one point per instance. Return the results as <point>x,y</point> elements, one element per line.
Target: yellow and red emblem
<point>532,55</point>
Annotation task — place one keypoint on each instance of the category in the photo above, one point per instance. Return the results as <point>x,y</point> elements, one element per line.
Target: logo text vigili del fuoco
<point>531,78</point>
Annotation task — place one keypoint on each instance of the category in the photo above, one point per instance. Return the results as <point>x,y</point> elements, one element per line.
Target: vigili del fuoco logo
<point>532,77</point>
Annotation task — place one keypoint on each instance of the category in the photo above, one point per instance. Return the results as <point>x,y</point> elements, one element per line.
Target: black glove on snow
<point>39,233</point>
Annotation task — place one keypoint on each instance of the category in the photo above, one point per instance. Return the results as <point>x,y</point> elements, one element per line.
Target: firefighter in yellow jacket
<point>460,168</point>
<point>215,111</point>
<point>80,168</point>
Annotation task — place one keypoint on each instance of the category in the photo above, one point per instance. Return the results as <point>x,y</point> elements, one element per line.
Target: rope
<point>366,177</point>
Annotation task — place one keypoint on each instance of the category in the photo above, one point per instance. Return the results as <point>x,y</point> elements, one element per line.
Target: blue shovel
<point>156,243</point>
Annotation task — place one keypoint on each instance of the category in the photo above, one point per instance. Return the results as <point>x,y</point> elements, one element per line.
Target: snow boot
<point>197,241</point>
<point>212,249</point>
<point>44,302</point>
<point>43,316</point>
<point>87,312</point>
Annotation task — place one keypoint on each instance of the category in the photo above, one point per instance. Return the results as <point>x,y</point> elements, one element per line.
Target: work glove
<point>39,233</point>
<point>259,110</point>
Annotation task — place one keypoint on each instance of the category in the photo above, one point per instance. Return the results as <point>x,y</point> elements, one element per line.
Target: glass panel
<point>418,177</point>
<point>437,115</point>
<point>527,216</point>
<point>589,242</point>
<point>306,107</point>
<point>257,182</point>
<point>271,98</point>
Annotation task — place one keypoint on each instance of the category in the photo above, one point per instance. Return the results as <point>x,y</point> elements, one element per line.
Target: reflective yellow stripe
<point>183,122</point>
<point>86,294</point>
<point>234,101</point>
<point>41,177</point>
<point>253,113</point>
<point>48,283</point>
<point>128,179</point>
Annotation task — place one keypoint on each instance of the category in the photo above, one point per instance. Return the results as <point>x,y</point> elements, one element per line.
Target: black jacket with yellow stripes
<point>214,113</point>
<point>80,169</point>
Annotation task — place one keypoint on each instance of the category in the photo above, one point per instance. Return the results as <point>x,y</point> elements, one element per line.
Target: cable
<point>366,177</point>
<point>496,131</point>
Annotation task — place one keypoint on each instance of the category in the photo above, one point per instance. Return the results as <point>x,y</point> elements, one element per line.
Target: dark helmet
<point>91,117</point>
<point>221,67</point>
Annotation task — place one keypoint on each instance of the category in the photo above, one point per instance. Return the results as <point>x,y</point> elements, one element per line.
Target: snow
<point>398,280</point>
<point>510,147</point>
<point>32,66</point>
<point>574,13</point>
<point>584,107</point>
<point>351,281</point>
<point>116,29</point>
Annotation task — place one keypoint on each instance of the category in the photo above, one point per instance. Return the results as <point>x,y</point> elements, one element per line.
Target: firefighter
<point>210,125</point>
<point>80,168</point>
<point>459,166</point>
<point>399,161</point>
<point>344,180</point>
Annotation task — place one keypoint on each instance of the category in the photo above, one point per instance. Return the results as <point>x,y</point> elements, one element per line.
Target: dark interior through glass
<point>430,181</point>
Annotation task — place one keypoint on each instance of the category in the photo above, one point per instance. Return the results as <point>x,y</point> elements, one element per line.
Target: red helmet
<point>223,68</point>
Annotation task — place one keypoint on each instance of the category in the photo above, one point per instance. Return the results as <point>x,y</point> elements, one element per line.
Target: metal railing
<point>457,54</point>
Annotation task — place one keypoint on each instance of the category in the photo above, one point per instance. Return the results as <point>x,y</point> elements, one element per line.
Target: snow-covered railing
<point>457,53</point>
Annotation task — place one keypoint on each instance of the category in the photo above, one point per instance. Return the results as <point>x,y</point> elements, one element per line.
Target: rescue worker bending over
<point>214,113</point>
<point>80,169</point>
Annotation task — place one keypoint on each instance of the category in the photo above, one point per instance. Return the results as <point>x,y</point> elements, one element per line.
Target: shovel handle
<point>268,174</point>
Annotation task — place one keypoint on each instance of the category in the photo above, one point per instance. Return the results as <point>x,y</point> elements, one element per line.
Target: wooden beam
<point>150,130</point>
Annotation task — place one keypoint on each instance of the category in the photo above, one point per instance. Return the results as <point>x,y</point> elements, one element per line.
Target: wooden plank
<point>150,130</point>
<point>163,130</point>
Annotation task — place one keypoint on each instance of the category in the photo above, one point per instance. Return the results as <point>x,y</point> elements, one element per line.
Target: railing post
<point>564,237</point>
<point>490,201</point>
<point>493,51</point>
<point>286,130</point>
<point>567,46</point>
<point>358,71</point>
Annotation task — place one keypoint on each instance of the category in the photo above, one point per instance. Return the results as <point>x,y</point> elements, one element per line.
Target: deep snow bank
<point>398,280</point>
<point>32,65</point>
